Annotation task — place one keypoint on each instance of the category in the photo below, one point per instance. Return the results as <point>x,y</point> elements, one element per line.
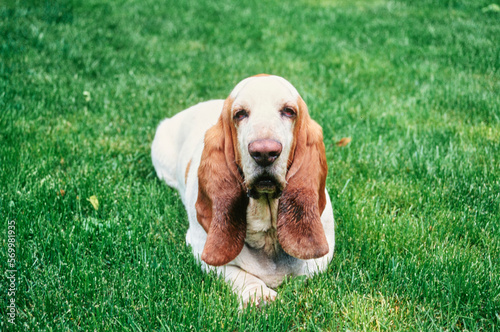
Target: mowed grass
<point>416,194</point>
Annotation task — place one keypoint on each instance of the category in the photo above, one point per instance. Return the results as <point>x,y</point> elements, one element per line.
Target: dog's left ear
<point>300,231</point>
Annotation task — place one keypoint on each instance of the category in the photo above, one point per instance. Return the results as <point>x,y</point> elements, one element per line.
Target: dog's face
<point>264,112</point>
<point>264,145</point>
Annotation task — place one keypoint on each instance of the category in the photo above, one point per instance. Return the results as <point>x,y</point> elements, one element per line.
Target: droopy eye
<point>240,115</point>
<point>288,112</point>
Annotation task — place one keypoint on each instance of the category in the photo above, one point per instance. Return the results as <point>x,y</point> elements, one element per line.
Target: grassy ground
<point>416,194</point>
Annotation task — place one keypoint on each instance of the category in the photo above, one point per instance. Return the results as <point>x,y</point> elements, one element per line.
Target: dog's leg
<point>250,289</point>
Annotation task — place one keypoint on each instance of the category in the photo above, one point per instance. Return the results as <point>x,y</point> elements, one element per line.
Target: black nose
<point>265,151</point>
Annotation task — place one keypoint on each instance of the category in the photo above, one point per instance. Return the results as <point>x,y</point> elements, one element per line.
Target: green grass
<point>416,194</point>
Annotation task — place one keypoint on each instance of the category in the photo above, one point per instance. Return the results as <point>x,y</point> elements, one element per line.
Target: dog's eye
<point>240,115</point>
<point>288,112</point>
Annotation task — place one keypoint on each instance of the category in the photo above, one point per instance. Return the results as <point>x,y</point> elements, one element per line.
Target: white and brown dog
<point>251,172</point>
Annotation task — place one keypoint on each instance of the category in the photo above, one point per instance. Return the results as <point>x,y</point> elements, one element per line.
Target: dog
<point>251,173</point>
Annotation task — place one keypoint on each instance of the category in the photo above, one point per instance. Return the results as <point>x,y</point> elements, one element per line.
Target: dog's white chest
<point>261,225</point>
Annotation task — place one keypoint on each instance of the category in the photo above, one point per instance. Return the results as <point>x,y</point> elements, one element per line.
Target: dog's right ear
<point>222,200</point>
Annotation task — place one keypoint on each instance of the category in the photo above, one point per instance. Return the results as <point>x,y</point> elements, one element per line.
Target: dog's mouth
<point>265,185</point>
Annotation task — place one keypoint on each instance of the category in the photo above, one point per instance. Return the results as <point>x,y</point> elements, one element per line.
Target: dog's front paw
<point>258,296</point>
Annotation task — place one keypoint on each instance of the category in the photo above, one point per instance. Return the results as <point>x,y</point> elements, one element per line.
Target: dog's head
<point>264,143</point>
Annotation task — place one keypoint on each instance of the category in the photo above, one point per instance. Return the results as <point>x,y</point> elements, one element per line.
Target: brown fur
<point>222,201</point>
<point>187,172</point>
<point>261,75</point>
<point>300,231</point>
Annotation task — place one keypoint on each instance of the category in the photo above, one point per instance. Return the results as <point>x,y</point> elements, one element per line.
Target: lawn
<point>99,240</point>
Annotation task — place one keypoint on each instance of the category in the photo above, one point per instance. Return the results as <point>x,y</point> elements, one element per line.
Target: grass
<point>416,194</point>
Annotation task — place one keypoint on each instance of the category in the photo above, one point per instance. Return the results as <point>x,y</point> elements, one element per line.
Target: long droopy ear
<point>300,231</point>
<point>222,200</point>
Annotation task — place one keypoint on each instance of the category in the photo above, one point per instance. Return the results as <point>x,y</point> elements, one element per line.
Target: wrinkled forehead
<point>264,89</point>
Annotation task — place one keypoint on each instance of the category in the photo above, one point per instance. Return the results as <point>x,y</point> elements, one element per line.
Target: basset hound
<point>251,173</point>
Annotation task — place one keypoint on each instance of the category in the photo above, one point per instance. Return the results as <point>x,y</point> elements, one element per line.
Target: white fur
<point>179,142</point>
